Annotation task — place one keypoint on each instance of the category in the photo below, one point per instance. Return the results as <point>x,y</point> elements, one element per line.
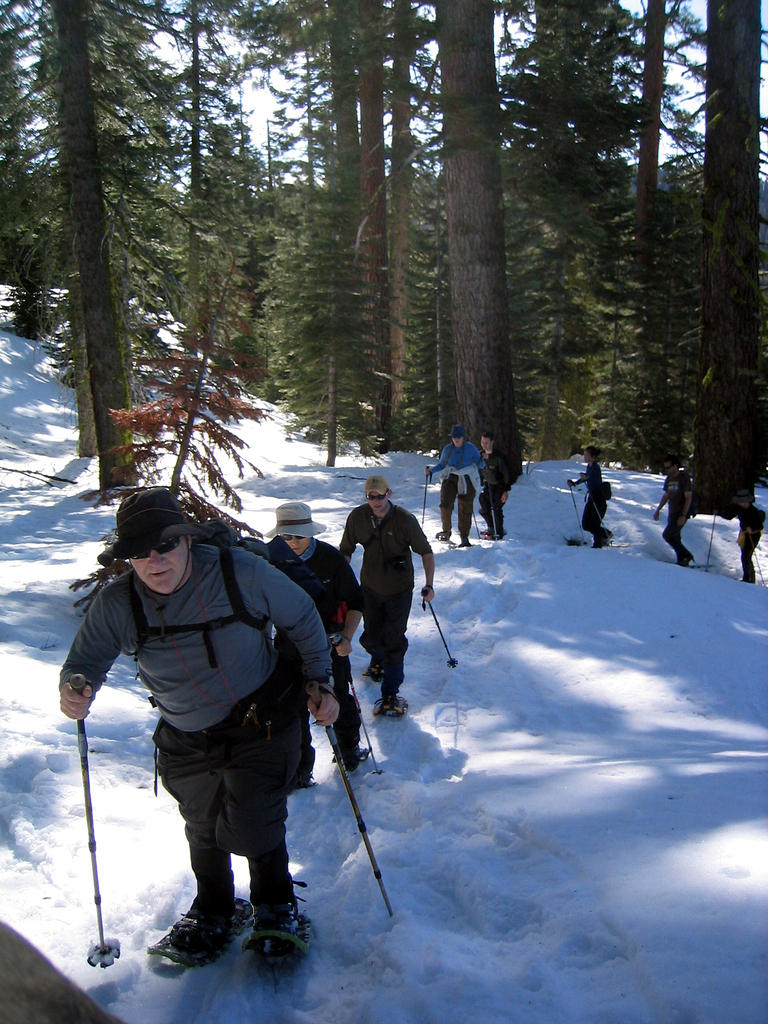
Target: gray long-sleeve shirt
<point>189,693</point>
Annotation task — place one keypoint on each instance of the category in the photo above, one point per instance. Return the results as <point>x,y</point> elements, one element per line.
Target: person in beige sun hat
<point>340,604</point>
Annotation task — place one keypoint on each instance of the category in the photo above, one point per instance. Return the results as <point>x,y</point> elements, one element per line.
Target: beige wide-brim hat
<point>295,518</point>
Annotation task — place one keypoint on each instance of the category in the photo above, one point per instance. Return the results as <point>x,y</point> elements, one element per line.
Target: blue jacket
<point>452,457</point>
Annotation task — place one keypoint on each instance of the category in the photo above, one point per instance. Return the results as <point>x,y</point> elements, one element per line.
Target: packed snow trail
<point>571,823</point>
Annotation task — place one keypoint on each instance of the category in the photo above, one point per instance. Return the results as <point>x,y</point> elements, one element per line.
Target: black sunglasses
<point>291,536</point>
<point>163,548</point>
<point>373,496</point>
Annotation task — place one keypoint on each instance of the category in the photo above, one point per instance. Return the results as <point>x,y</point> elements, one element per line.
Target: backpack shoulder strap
<point>235,594</point>
<point>139,615</point>
<point>239,612</point>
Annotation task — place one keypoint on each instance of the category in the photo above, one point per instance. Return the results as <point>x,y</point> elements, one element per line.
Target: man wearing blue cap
<point>459,464</point>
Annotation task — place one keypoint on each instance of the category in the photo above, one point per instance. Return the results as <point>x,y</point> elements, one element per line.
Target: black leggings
<point>592,520</point>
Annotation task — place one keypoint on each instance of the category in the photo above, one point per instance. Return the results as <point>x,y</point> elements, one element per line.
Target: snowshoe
<point>279,931</point>
<point>392,706</point>
<point>374,672</point>
<point>465,543</point>
<point>197,939</point>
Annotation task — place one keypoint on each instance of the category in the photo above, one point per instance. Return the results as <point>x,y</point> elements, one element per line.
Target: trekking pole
<point>492,513</point>
<point>479,536</point>
<point>452,663</point>
<point>335,640</point>
<point>424,509</point>
<point>578,518</point>
<point>106,951</point>
<point>360,823</point>
<point>376,769</point>
<point>757,563</point>
<point>711,536</point>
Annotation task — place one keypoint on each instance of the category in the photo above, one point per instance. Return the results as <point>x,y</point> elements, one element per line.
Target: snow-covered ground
<point>570,824</point>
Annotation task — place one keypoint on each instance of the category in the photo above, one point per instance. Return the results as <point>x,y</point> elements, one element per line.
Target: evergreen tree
<point>569,113</point>
<point>315,337</point>
<point>373,227</point>
<point>429,405</point>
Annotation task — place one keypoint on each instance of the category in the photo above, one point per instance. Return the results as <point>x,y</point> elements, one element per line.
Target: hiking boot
<point>392,706</point>
<point>353,757</point>
<point>685,561</point>
<point>443,535</point>
<point>201,934</point>
<point>304,779</point>
<point>280,918</point>
<point>374,672</point>
<point>465,543</point>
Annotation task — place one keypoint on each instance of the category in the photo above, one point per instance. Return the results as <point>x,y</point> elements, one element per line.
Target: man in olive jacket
<point>388,534</point>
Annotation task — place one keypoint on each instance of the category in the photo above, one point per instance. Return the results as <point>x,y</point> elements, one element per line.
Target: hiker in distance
<point>388,534</point>
<point>495,474</point>
<point>678,493</point>
<point>459,465</point>
<point>341,609</point>
<point>751,522</point>
<point>229,736</point>
<point>594,500</point>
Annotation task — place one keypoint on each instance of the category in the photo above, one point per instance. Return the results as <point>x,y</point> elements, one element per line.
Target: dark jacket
<point>339,581</point>
<point>495,472</point>
<point>751,518</point>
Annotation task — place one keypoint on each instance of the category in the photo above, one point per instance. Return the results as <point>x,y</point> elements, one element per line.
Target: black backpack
<point>605,490</point>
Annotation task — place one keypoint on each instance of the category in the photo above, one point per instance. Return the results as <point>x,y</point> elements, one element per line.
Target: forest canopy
<point>516,215</point>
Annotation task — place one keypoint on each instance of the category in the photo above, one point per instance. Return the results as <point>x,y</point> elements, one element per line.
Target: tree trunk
<point>401,181</point>
<point>87,445</point>
<point>344,177</point>
<point>374,211</point>
<point>440,342</point>
<point>107,364</point>
<point>650,132</point>
<point>333,412</point>
<point>192,312</point>
<point>475,219</point>
<point>726,419</point>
